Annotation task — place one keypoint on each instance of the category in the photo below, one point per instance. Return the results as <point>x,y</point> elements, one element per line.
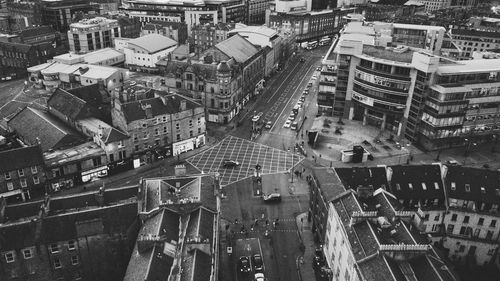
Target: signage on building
<point>362,99</point>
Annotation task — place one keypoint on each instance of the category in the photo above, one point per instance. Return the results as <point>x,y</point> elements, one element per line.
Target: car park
<point>258,264</point>
<point>244,264</point>
<point>230,163</point>
<point>287,124</point>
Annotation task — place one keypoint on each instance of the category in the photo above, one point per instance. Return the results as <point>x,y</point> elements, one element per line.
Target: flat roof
<point>470,66</point>
<point>98,72</point>
<point>82,151</point>
<point>417,26</point>
<point>382,53</point>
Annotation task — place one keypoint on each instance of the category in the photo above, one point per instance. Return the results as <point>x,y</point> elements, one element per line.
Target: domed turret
<point>223,67</point>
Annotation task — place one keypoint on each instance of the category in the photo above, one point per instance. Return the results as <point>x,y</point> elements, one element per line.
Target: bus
<point>312,45</point>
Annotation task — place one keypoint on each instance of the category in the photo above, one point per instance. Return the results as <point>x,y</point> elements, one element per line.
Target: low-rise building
<point>159,124</point>
<point>142,54</point>
<point>93,34</point>
<point>176,31</point>
<point>85,236</point>
<point>104,57</point>
<point>22,173</point>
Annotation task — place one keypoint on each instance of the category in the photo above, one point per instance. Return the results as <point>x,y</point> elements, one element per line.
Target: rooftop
<point>238,48</point>
<point>388,54</point>
<point>328,182</point>
<point>418,182</point>
<point>153,42</point>
<point>470,66</point>
<point>19,158</point>
<point>472,184</point>
<point>83,151</point>
<point>85,23</point>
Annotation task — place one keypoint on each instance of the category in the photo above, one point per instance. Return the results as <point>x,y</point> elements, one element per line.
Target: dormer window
<point>467,187</point>
<point>436,186</point>
<point>483,190</point>
<point>410,186</point>
<point>453,186</point>
<point>424,187</point>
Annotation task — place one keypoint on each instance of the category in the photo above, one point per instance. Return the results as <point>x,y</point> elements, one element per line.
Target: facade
<point>176,31</point>
<point>22,173</point>
<point>28,48</point>
<point>158,123</point>
<point>76,237</point>
<point>393,81</point>
<point>223,78</point>
<point>256,11</point>
<point>129,27</point>
<point>179,229</point>
<point>93,34</point>
<point>470,41</point>
<point>208,35</point>
<point>308,25</point>
<point>292,6</point>
<point>143,53</point>
<point>60,14</point>
<point>434,5</point>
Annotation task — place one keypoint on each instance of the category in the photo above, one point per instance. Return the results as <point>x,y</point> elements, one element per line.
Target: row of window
<point>20,172</point>
<point>23,182</point>
<point>29,253</point>
<point>480,222</point>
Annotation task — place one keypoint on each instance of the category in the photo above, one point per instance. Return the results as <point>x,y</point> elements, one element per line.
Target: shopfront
<point>187,145</point>
<point>99,172</point>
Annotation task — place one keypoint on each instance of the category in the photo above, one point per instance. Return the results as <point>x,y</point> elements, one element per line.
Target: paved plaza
<point>248,154</point>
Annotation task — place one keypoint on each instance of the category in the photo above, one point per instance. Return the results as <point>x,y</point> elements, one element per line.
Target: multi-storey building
<point>158,123</point>
<point>470,41</point>
<point>60,14</point>
<point>484,24</point>
<point>208,35</point>
<point>176,31</point>
<point>256,11</point>
<point>434,5</point>
<point>76,237</point>
<point>22,173</point>
<point>223,78</point>
<point>93,34</point>
<point>308,25</point>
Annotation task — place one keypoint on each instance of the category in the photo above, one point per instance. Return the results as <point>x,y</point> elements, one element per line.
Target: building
<point>142,54</point>
<point>484,23</point>
<point>158,123</point>
<point>129,27</point>
<point>223,78</point>
<point>87,236</point>
<point>34,127</point>
<point>308,25</point>
<point>256,11</point>
<point>434,5</point>
<point>93,34</point>
<point>208,35</point>
<point>179,229</point>
<point>28,48</point>
<point>176,31</point>
<point>470,41</point>
<point>24,14</point>
<point>60,14</point>
<point>381,77</point>
<point>22,173</point>
<point>292,6</point>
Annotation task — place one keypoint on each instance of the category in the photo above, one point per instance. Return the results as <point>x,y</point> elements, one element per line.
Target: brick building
<point>208,35</point>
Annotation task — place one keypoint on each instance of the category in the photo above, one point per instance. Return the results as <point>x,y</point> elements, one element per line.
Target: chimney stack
<point>183,105</point>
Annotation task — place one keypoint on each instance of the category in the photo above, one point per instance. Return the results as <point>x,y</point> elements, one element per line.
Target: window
<point>410,186</point>
<point>74,260</point>
<point>10,186</point>
<point>436,185</point>
<point>57,263</point>
<point>466,219</point>
<point>436,218</point>
<point>20,172</point>
<point>7,176</point>
<point>467,187</point>
<point>398,187</point>
<point>426,217</point>
<point>191,133</point>
<point>481,221</point>
<point>190,123</point>
<point>462,230</point>
<point>450,228</point>
<point>36,180</point>
<point>54,248</point>
<point>461,249</point>
<point>27,253</point>
<point>71,245</point>
<point>178,137</point>
<point>10,256</point>
<point>34,170</point>
<point>23,183</point>
<point>177,126</point>
<point>199,130</point>
<point>454,217</point>
<point>493,223</point>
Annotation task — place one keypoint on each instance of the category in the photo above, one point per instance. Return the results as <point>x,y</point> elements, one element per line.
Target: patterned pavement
<point>248,154</point>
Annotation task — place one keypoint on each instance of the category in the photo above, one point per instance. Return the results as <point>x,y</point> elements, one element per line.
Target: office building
<point>93,34</point>
<point>472,40</point>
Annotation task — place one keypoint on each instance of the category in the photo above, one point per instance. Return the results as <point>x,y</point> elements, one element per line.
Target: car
<point>294,126</point>
<point>302,59</point>
<point>230,163</point>
<point>300,102</point>
<point>309,84</point>
<point>287,124</point>
<point>258,264</point>
<point>302,99</point>
<point>259,277</point>
<point>452,162</point>
<point>318,68</point>
<point>273,197</point>
<point>244,264</point>
<point>305,93</point>
<point>268,125</point>
<point>292,116</point>
<point>255,118</point>
<point>314,77</point>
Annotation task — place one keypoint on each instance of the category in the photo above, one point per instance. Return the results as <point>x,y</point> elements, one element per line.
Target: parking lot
<point>247,154</point>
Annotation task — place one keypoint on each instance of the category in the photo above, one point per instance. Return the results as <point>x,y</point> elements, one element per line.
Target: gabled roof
<point>363,176</point>
<point>329,182</point>
<point>473,184</point>
<point>238,48</point>
<point>17,236</point>
<point>201,70</point>
<point>67,104</point>
<point>18,158</point>
<point>34,125</point>
<point>113,135</point>
<point>418,182</point>
<point>153,42</point>
<point>36,31</point>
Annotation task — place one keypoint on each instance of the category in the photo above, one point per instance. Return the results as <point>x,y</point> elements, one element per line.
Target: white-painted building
<point>144,52</point>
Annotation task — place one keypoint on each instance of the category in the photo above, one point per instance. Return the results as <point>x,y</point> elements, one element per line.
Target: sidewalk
<point>305,268</point>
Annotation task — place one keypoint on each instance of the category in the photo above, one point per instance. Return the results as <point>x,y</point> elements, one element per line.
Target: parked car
<point>292,116</point>
<point>258,264</point>
<point>294,126</point>
<point>244,264</point>
<point>259,277</point>
<point>302,99</point>
<point>230,163</point>
<point>268,125</point>
<point>287,124</point>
